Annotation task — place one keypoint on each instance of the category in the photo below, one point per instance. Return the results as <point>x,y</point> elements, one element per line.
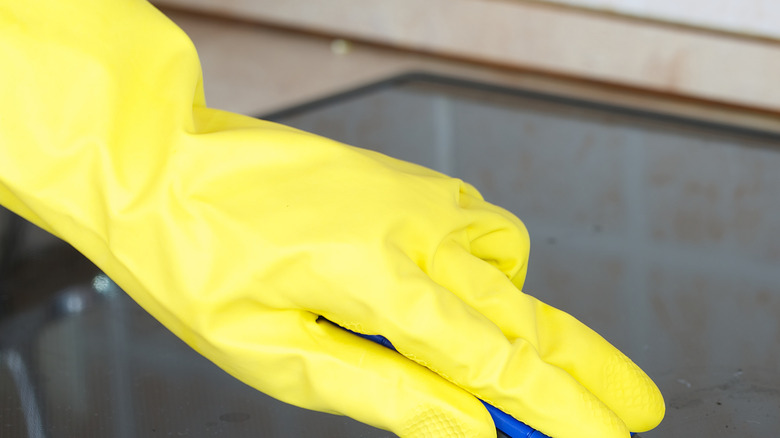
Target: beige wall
<point>539,37</point>
<point>749,17</point>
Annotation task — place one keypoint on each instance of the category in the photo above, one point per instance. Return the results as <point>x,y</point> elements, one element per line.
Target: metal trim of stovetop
<point>422,77</point>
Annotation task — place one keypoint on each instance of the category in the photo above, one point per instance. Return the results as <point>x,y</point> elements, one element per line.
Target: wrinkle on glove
<point>238,234</point>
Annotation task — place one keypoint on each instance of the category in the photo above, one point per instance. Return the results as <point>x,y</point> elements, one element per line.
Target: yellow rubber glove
<point>237,234</point>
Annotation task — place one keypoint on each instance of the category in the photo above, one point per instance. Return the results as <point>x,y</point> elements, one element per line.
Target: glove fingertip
<point>638,401</point>
<point>434,422</point>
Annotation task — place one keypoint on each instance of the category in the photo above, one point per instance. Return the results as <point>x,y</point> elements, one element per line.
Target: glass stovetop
<point>659,232</point>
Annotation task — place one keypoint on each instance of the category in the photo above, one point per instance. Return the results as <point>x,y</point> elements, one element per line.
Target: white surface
<point>750,17</point>
<point>531,36</point>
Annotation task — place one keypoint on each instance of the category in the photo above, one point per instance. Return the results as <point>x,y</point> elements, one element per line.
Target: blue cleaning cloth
<point>504,422</point>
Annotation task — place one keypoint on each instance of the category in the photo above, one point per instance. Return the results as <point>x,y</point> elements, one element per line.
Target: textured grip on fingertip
<point>430,423</point>
<point>632,387</point>
<point>603,415</point>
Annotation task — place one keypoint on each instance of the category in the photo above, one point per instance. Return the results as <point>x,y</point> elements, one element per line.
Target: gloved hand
<point>237,234</point>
